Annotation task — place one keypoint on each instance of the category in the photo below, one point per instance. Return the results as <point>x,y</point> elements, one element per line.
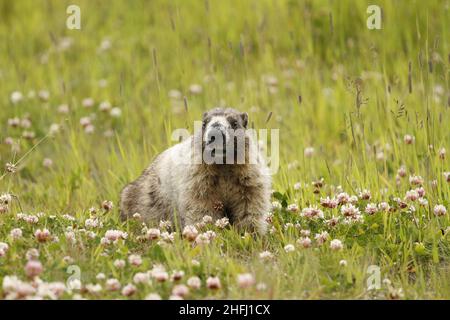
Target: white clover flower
<point>336,245</point>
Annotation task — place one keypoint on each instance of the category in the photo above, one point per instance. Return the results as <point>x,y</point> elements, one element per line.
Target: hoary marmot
<point>180,186</point>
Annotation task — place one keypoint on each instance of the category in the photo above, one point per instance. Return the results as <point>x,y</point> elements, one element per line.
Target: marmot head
<point>224,131</point>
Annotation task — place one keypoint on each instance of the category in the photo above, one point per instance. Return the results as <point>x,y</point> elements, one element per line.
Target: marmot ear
<point>205,114</point>
<point>244,116</point>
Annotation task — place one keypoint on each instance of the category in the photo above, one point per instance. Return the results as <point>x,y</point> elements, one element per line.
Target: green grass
<point>229,48</point>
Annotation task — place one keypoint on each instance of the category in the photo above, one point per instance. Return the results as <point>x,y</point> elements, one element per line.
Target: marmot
<point>174,187</point>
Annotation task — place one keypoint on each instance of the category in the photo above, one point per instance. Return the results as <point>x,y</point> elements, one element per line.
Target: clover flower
<point>439,210</point>
<point>190,232</point>
<point>371,208</point>
<point>245,280</point>
<point>42,235</point>
<point>33,268</point>
<point>213,283</point>
<point>180,290</point>
<point>194,283</point>
<point>289,248</point>
<point>222,223</point>
<point>129,290</point>
<point>135,259</point>
<point>336,245</point>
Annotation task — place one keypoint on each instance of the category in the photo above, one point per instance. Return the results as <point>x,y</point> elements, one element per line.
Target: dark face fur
<point>223,129</point>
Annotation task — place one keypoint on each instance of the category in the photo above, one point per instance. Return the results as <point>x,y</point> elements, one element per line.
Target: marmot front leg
<point>249,214</point>
<point>194,210</point>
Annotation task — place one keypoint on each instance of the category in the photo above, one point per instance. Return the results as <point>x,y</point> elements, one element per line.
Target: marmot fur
<point>172,188</point>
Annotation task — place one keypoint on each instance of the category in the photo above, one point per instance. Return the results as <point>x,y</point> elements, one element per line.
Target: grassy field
<point>361,112</point>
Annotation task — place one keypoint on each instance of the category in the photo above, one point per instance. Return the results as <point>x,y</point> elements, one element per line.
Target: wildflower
<point>16,97</point>
<point>63,109</point>
<point>190,232</point>
<point>305,233</point>
<point>371,208</point>
<point>175,94</point>
<point>332,222</point>
<point>329,203</point>
<point>194,282</point>
<point>266,255</point>
<point>177,275</point>
<point>100,276</point>
<point>213,283</point>
<point>16,233</point>
<point>87,102</point>
<point>153,234</point>
<point>409,139</point>
<point>442,152</point>
<point>5,198</point>
<point>308,152</point>
<point>195,89</point>
<point>3,249</point>
<point>207,219</point>
<point>14,288</point>
<point>129,290</point>
<point>94,288</point>
<point>412,195</point>
<point>312,212</point>
<point>415,180</point>
<point>70,236</point>
<point>321,237</point>
<point>276,205</point>
<point>297,186</point>
<point>165,224</point>
<point>153,296</point>
<point>119,263</point>
<point>113,284</point>
<point>195,263</point>
<point>205,238</point>
<point>135,259</point>
<point>107,205</point>
<point>10,167</point>
<point>336,245</point>
<point>365,194</point>
<point>92,223</point>
<point>180,290</point>
<point>54,129</point>
<point>292,207</point>
<point>33,268</point>
<point>343,198</point>
<point>261,286</point>
<point>42,235</point>
<point>47,162</point>
<point>141,277</point>
<point>245,280</point>
<point>160,275</point>
<point>112,236</point>
<point>349,210</point>
<point>423,202</point>
<point>289,248</point>
<point>447,176</point>
<point>384,206</point>
<point>115,112</point>
<point>421,192</point>
<point>439,210</point>
<point>222,223</point>
<point>343,263</point>
<point>44,95</point>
